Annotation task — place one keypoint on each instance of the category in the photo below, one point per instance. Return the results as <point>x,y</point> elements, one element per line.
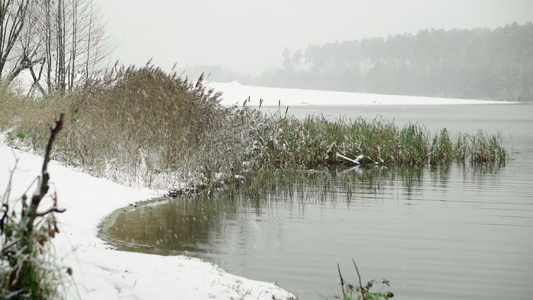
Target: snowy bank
<point>235,93</point>
<point>101,272</point>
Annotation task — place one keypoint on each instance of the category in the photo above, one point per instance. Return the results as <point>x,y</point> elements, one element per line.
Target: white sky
<point>250,35</point>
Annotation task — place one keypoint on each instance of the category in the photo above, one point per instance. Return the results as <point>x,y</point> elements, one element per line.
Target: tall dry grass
<point>138,126</point>
<point>143,126</point>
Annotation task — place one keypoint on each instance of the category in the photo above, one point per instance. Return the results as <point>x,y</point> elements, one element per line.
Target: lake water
<point>447,233</point>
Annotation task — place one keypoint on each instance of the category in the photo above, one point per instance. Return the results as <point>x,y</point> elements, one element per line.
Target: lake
<point>457,232</point>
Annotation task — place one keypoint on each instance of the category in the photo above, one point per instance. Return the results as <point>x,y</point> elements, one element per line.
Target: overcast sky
<point>250,35</point>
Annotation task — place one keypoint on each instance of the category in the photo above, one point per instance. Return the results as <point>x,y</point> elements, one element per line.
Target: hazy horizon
<point>249,36</point>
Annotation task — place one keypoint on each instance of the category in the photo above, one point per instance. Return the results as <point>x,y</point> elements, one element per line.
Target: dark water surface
<point>448,233</point>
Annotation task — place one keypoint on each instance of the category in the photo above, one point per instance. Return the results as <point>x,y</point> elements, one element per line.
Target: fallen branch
<point>355,161</point>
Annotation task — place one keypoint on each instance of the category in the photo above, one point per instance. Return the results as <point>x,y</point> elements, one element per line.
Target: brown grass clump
<point>139,126</point>
<point>143,119</point>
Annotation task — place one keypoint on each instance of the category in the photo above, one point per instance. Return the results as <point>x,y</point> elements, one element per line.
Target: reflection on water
<point>173,227</point>
<point>188,225</point>
<point>422,228</point>
<point>176,224</point>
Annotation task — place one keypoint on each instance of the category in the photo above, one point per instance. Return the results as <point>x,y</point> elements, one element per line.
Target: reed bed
<point>315,141</point>
<point>143,126</point>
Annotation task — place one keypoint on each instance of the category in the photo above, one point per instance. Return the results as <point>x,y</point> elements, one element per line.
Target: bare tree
<point>12,22</point>
<point>61,42</point>
<point>74,41</point>
<point>27,50</point>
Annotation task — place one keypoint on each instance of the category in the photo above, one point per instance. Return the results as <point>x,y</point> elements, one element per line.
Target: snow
<point>236,93</point>
<point>100,272</point>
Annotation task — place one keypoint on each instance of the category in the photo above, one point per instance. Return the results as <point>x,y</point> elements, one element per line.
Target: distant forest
<point>478,63</point>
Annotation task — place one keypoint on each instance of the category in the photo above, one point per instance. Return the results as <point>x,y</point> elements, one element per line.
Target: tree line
<point>60,43</point>
<point>478,63</point>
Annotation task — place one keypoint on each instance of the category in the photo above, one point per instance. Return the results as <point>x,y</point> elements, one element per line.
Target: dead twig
<point>42,188</point>
<point>342,282</point>
<point>363,290</point>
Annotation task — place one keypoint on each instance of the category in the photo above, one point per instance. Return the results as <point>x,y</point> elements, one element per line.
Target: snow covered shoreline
<point>100,272</point>
<point>236,93</point>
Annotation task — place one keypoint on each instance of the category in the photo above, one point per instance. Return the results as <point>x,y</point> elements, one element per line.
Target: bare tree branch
<point>53,209</point>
